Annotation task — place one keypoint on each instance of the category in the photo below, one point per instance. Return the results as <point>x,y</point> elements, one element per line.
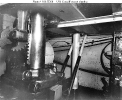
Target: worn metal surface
<point>90,58</point>
<point>91,54</point>
<point>37,49</point>
<point>91,61</point>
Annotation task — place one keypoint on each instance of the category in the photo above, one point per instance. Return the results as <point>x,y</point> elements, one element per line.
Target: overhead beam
<point>89,21</point>
<point>1,4</point>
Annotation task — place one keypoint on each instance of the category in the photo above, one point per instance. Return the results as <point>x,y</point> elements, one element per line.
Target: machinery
<point>34,66</point>
<point>29,58</point>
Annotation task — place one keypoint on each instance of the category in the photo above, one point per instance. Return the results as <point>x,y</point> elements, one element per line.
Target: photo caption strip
<point>60,1</point>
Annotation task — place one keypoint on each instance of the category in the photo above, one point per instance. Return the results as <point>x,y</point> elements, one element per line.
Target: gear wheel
<point>4,40</point>
<point>20,45</point>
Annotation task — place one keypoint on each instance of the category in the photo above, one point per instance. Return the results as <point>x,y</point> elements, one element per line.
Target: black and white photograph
<point>60,50</point>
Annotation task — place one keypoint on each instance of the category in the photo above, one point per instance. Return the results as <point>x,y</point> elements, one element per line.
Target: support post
<point>76,46</point>
<point>76,67</point>
<point>37,49</point>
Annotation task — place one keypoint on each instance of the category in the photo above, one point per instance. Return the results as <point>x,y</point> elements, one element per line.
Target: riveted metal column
<point>76,46</point>
<point>37,49</point>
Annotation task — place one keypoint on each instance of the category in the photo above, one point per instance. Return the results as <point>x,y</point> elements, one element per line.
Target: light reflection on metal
<point>76,46</point>
<point>22,16</point>
<point>76,68</point>
<point>88,21</point>
<point>37,48</point>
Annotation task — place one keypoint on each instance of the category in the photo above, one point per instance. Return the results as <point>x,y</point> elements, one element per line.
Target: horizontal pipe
<point>89,21</point>
<point>85,70</point>
<point>84,47</point>
<point>92,42</point>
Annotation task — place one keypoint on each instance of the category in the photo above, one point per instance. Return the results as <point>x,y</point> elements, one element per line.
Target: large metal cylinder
<point>37,49</point>
<point>90,60</point>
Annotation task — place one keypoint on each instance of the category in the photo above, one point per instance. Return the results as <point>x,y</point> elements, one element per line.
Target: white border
<point>61,1</point>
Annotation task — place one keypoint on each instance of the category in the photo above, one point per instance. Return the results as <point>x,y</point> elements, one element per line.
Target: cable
<point>101,59</point>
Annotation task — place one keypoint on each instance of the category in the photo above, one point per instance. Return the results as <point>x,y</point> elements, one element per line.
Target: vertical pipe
<point>21,31</point>
<point>76,67</point>
<point>37,49</point>
<point>76,46</point>
<point>22,16</point>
